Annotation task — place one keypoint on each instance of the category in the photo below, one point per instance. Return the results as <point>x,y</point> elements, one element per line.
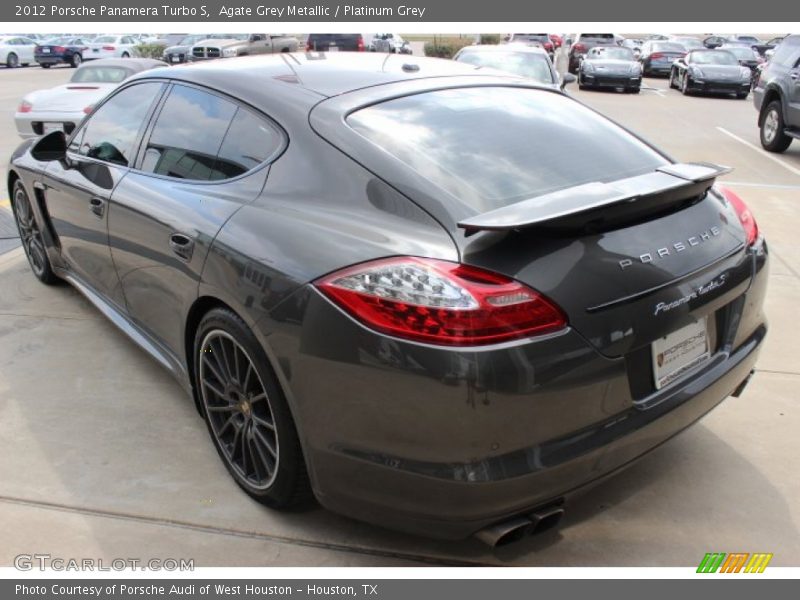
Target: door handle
<point>182,245</point>
<point>98,206</point>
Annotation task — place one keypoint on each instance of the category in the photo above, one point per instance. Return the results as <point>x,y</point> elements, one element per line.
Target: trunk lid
<point>625,287</point>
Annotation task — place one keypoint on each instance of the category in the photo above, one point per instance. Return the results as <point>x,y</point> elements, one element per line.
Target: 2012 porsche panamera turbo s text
<point>435,298</point>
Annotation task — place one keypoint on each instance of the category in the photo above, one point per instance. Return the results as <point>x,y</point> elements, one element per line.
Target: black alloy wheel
<point>246,413</point>
<point>31,236</point>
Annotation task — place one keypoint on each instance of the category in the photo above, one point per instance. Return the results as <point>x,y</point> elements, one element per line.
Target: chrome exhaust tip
<point>507,532</point>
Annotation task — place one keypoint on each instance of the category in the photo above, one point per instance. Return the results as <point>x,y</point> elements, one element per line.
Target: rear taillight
<point>309,47</point>
<point>746,217</point>
<point>548,45</point>
<point>25,107</point>
<point>360,43</point>
<point>657,55</point>
<point>59,49</point>
<point>37,49</point>
<point>88,109</point>
<point>580,48</point>
<point>109,48</point>
<point>440,302</point>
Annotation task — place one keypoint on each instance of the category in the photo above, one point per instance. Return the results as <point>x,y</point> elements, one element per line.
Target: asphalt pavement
<point>102,455</point>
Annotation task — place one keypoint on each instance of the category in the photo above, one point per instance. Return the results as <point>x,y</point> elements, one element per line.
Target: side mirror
<point>566,79</point>
<point>52,146</point>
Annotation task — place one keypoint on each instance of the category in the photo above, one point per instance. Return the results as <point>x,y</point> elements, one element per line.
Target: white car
<point>112,46</point>
<point>63,107</point>
<point>16,50</point>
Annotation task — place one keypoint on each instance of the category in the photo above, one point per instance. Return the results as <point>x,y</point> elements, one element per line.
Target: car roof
<point>514,46</point>
<point>132,64</point>
<point>323,73</point>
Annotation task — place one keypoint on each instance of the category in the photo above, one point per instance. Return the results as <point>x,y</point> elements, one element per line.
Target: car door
<point>26,48</point>
<point>77,191</point>
<point>165,214</point>
<point>793,82</point>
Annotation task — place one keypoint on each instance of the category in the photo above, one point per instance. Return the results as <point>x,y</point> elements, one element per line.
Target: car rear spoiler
<point>603,202</point>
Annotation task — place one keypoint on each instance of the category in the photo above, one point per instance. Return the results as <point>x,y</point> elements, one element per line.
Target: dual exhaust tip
<point>516,529</point>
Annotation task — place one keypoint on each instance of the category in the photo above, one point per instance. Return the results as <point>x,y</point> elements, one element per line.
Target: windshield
<point>610,53</point>
<point>99,75</point>
<point>104,39</point>
<point>493,146</point>
<point>713,57</point>
<point>525,64</point>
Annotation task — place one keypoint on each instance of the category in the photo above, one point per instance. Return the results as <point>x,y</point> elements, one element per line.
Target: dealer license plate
<point>45,50</point>
<point>50,127</point>
<point>677,353</point>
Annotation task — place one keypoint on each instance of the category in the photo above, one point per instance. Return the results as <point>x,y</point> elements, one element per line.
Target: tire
<point>771,131</point>
<point>241,400</point>
<point>742,95</point>
<point>685,85</point>
<point>76,60</point>
<point>31,236</point>
<point>45,65</point>
<point>125,55</point>
<point>634,90</point>
<point>12,60</point>
<point>672,78</point>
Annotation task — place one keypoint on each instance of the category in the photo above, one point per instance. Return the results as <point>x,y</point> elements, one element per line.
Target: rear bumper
<point>30,125</point>
<point>52,60</point>
<point>443,443</point>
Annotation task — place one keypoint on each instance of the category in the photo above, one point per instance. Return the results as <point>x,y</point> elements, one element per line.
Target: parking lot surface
<point>102,455</point>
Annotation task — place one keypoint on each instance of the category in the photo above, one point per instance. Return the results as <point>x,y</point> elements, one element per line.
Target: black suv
<point>777,97</point>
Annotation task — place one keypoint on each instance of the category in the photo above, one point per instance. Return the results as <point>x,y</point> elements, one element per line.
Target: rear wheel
<point>46,65</point>
<point>31,236</point>
<point>672,79</point>
<point>125,55</point>
<point>12,60</point>
<point>76,61</point>
<point>772,136</point>
<point>741,95</point>
<point>246,413</point>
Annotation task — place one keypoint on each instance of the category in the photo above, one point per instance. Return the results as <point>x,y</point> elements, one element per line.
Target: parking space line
<point>773,186</point>
<point>761,151</point>
<point>213,529</point>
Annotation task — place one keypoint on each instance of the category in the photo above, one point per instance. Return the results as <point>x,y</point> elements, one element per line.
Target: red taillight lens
<point>441,302</point>
<point>59,49</point>
<point>109,48</point>
<point>25,107</point>
<point>579,47</point>
<point>360,44</point>
<point>657,55</point>
<point>548,45</point>
<point>309,47</point>
<point>88,109</point>
<point>746,217</point>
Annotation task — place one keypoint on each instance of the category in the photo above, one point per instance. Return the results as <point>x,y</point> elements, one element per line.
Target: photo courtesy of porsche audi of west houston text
<point>229,11</point>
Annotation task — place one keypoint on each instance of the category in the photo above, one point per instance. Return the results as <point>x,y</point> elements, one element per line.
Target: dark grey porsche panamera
<point>436,299</point>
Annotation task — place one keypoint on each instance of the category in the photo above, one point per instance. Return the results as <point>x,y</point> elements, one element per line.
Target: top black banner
<point>410,11</point>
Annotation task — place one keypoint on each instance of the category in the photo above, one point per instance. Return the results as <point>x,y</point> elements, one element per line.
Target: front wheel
<point>672,79</point>
<point>76,61</point>
<point>246,412</point>
<point>685,84</point>
<point>773,139</point>
<point>12,60</point>
<point>30,236</point>
<point>741,95</point>
<point>46,65</point>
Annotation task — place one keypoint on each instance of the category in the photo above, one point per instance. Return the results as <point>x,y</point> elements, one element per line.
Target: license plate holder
<point>51,127</point>
<point>678,353</point>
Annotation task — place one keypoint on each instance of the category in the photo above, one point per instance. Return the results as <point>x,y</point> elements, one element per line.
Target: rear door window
<point>494,146</point>
<point>203,137</point>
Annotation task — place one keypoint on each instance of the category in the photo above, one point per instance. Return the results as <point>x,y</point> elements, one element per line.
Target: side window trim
<point>159,106</point>
<point>81,129</point>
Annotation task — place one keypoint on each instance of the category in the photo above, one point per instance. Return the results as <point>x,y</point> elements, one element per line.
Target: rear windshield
<point>667,47</point>
<point>526,64</point>
<point>494,146</point>
<point>100,75</point>
<point>597,36</point>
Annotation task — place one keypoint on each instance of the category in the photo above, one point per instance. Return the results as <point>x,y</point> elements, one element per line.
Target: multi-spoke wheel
<point>31,236</point>
<point>246,413</point>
